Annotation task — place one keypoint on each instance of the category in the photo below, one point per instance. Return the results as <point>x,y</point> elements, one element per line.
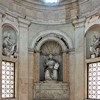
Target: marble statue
<point>95,47</point>
<point>9,48</point>
<point>51,69</point>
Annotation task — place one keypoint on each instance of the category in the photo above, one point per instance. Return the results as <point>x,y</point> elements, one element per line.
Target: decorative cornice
<point>79,22</point>
<point>41,2</point>
<point>47,32</point>
<point>71,50</point>
<point>23,22</point>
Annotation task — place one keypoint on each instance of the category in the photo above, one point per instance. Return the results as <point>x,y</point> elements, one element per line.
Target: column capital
<point>30,50</point>
<point>72,53</point>
<point>71,50</point>
<point>79,22</point>
<point>23,22</point>
<point>66,50</point>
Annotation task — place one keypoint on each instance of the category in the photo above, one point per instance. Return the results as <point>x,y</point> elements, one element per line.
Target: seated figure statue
<point>95,46</point>
<point>51,68</point>
<point>9,48</point>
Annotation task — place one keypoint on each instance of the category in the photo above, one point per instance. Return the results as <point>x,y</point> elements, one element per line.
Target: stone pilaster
<point>65,67</point>
<point>38,66</point>
<point>31,70</point>
<point>79,59</point>
<point>35,68</point>
<point>23,59</point>
<point>72,74</point>
<point>0,56</point>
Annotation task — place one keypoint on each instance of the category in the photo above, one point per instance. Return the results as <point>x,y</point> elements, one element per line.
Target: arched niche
<point>51,47</point>
<point>55,33</point>
<point>91,32</point>
<point>43,48</point>
<point>9,40</point>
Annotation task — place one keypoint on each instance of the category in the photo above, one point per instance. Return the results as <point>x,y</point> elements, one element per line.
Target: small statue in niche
<point>95,47</point>
<point>9,48</point>
<point>51,68</point>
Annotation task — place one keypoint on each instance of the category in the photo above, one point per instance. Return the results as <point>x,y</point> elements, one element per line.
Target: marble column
<point>38,66</point>
<point>79,59</point>
<point>31,70</point>
<point>0,56</point>
<point>23,59</point>
<point>35,68</point>
<point>65,67</point>
<point>72,74</point>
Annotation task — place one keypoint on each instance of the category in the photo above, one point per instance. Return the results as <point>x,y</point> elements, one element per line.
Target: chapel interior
<point>49,49</point>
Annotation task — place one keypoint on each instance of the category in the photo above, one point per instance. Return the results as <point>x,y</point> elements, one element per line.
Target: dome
<point>39,12</point>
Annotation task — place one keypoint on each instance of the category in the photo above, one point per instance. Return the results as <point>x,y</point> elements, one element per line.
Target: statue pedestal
<point>51,90</point>
<point>93,56</point>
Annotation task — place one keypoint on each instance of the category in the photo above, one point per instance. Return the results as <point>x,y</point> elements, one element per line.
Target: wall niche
<point>93,42</point>
<point>53,48</point>
<point>51,69</point>
<point>9,42</point>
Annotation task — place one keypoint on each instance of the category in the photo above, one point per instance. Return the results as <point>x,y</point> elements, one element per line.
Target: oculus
<point>51,1</point>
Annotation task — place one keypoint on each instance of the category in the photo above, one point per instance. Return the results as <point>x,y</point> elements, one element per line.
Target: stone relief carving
<point>95,47</point>
<point>51,91</point>
<point>51,68</point>
<point>9,45</point>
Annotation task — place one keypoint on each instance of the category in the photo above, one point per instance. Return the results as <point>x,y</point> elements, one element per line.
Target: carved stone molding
<point>51,91</point>
<point>79,22</point>
<point>48,32</point>
<point>23,22</point>
<point>92,20</point>
<point>64,48</point>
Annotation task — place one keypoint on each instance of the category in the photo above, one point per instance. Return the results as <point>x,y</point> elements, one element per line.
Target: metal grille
<point>94,80</point>
<point>8,85</point>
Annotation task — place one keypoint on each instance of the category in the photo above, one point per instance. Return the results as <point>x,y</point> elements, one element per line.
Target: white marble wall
<point>25,57</point>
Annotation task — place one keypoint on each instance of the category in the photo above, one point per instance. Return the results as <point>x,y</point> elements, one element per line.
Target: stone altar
<point>51,91</point>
